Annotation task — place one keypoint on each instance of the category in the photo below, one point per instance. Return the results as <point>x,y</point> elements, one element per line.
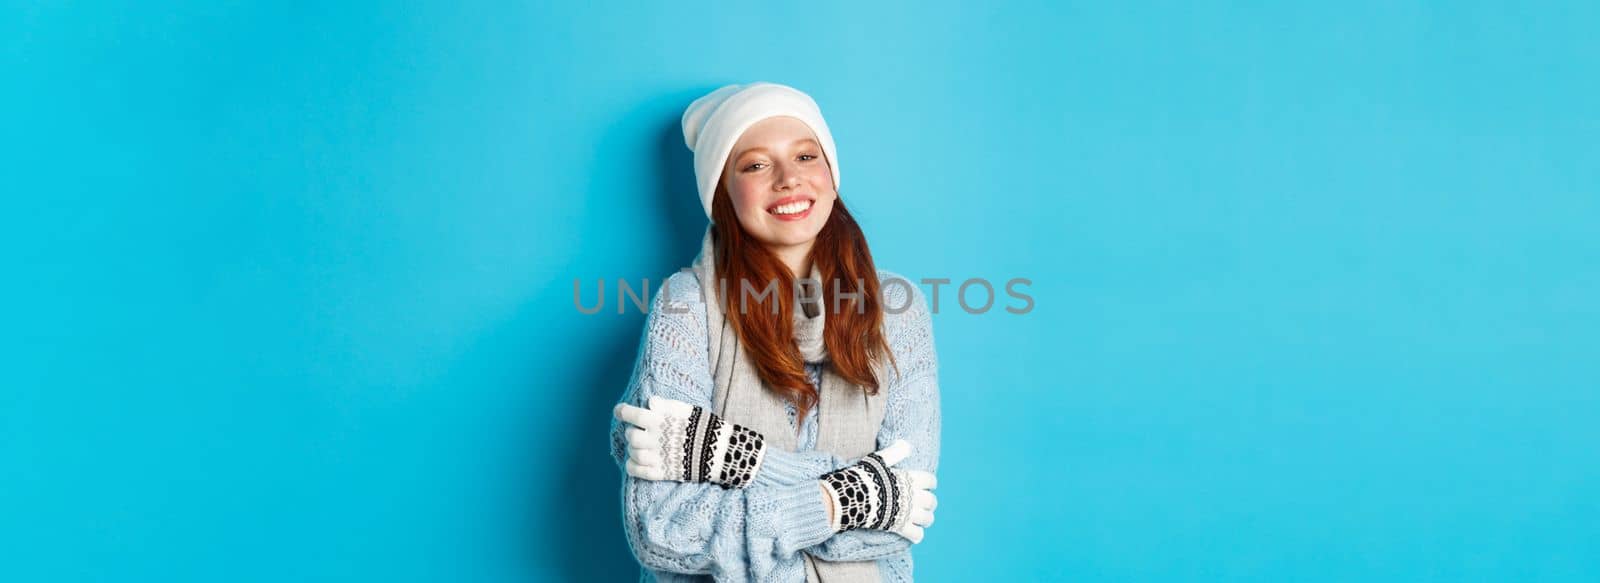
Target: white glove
<point>673,440</point>
<point>873,494</point>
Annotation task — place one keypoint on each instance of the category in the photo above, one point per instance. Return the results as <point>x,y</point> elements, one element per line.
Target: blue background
<point>289,289</point>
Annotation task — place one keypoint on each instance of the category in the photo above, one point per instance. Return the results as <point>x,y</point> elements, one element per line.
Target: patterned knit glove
<point>874,494</point>
<point>673,440</point>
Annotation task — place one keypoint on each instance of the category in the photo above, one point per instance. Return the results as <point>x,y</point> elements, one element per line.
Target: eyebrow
<point>762,149</point>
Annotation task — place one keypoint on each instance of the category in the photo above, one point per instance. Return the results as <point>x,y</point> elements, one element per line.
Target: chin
<point>780,237</point>
<point>796,234</point>
<point>786,240</point>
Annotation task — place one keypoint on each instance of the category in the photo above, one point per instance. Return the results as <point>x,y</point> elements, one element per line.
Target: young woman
<point>782,421</point>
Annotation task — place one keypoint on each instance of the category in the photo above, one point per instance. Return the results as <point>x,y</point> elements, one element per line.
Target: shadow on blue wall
<point>587,501</point>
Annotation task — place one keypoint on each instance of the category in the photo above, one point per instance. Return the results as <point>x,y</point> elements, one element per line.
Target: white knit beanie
<point>714,122</point>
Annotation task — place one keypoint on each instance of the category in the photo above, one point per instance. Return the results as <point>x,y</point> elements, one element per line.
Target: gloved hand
<point>873,494</point>
<point>673,440</point>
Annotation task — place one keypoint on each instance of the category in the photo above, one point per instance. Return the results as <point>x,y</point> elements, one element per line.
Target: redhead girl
<point>782,419</point>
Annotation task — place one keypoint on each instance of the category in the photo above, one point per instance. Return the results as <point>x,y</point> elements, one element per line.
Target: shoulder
<point>907,325</point>
<point>682,287</point>
<point>904,306</point>
<point>677,318</point>
<point>675,346</point>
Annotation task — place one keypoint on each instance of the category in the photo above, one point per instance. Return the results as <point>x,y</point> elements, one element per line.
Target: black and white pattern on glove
<point>869,494</point>
<point>873,494</point>
<point>685,443</point>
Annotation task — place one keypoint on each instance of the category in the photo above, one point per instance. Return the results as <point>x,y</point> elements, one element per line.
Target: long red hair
<point>852,334</point>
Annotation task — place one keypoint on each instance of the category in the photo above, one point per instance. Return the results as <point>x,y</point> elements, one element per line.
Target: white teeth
<point>792,208</point>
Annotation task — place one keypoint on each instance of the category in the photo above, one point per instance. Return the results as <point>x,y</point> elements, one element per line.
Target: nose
<point>788,177</point>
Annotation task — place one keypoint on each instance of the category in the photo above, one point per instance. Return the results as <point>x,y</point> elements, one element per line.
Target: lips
<point>795,204</point>
<point>792,208</point>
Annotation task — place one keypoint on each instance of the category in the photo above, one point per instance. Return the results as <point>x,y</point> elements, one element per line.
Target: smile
<point>792,208</point>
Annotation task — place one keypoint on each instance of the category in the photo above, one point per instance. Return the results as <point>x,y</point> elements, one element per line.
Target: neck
<point>796,257</point>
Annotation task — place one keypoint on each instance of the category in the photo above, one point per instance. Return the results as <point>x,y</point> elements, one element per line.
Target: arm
<point>676,323</point>
<point>700,528</point>
<point>912,414</point>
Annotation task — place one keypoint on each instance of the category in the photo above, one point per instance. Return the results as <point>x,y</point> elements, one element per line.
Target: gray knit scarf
<point>847,417</point>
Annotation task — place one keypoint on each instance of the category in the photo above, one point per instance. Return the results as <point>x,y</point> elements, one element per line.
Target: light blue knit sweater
<point>687,532</point>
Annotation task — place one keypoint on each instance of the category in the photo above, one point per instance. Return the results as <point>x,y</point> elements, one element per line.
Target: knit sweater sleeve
<point>912,414</point>
<point>753,533</point>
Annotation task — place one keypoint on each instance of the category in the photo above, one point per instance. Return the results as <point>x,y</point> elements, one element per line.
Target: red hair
<point>853,334</point>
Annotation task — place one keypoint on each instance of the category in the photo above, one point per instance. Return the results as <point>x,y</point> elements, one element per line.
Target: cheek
<point>743,196</point>
<point>821,177</point>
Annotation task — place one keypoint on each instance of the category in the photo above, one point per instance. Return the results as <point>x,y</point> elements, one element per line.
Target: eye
<point>807,157</point>
<point>755,166</point>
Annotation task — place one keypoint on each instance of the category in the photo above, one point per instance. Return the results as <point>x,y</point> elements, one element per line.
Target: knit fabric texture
<point>682,531</point>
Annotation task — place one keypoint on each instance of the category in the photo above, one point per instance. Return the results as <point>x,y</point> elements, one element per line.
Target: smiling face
<point>780,184</point>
